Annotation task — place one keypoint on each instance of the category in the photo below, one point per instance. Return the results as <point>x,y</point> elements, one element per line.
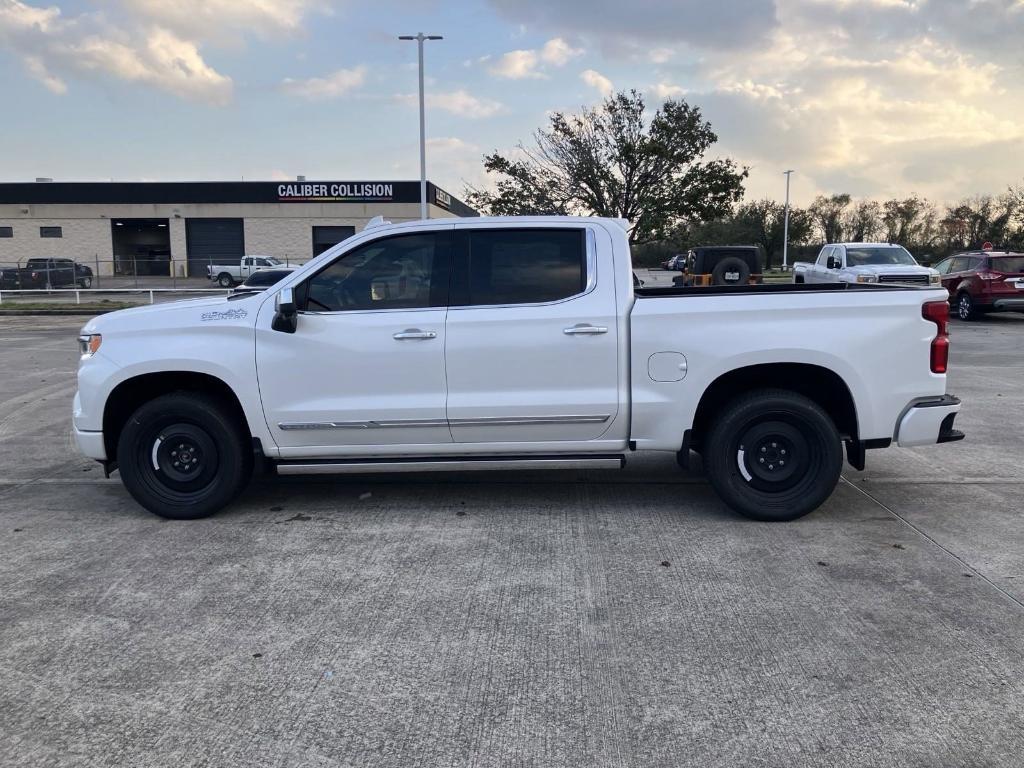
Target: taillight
<point>990,276</point>
<point>938,313</point>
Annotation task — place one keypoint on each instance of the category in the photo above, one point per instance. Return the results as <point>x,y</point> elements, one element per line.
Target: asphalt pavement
<point>562,619</point>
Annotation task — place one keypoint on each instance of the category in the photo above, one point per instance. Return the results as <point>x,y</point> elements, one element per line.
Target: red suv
<point>983,281</point>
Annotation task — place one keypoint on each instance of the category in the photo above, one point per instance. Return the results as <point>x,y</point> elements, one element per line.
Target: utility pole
<point>419,37</point>
<point>785,228</point>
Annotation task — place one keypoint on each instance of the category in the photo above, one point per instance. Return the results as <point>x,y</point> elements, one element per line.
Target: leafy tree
<point>763,222</point>
<point>827,214</point>
<point>863,222</point>
<point>612,161</point>
<point>907,221</point>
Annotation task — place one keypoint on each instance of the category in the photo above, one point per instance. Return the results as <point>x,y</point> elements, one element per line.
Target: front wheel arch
<point>131,393</point>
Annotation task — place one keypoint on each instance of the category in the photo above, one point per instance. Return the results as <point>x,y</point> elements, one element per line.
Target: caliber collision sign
<point>305,192</point>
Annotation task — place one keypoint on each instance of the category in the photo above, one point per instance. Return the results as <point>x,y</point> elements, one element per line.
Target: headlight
<point>88,343</point>
<point>867,278</point>
<point>934,279</point>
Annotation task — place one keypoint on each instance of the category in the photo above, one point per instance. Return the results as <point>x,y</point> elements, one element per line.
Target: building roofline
<point>226,192</point>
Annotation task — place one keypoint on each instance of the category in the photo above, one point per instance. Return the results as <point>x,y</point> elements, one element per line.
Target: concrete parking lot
<point>619,619</point>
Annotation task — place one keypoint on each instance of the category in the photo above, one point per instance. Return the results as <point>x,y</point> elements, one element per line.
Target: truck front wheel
<point>225,280</point>
<point>182,456</point>
<point>773,455</point>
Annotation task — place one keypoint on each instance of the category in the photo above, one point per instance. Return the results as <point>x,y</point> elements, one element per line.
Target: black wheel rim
<point>178,460</point>
<point>775,452</point>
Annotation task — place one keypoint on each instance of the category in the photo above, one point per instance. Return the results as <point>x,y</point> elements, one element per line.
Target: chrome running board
<point>454,464</point>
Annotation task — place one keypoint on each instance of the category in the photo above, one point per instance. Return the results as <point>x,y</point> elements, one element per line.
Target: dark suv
<point>722,265</point>
<point>47,273</point>
<point>983,281</point>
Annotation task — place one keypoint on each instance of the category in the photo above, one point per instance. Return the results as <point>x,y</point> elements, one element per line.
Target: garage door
<point>213,241</point>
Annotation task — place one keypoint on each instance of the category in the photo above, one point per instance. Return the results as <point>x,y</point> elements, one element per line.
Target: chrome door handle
<point>414,333</point>
<point>591,330</point>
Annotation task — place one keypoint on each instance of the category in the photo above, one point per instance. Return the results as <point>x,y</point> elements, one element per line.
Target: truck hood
<point>891,269</point>
<point>189,312</point>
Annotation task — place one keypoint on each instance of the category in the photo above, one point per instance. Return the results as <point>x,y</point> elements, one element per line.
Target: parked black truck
<point>46,273</point>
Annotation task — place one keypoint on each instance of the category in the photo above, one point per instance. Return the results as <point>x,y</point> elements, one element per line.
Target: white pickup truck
<point>864,263</point>
<point>229,275</point>
<point>509,343</point>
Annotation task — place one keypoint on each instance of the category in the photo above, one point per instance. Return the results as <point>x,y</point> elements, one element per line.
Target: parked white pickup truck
<point>864,263</point>
<point>498,343</point>
<point>229,275</point>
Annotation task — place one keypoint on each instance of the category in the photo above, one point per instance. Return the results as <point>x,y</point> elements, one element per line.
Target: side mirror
<point>834,263</point>
<point>286,315</point>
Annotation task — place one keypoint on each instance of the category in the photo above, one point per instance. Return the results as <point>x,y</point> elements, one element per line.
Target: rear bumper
<point>1015,304</point>
<point>928,422</point>
<point>90,444</point>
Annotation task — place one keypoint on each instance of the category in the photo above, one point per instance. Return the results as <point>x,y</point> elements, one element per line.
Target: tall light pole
<point>785,228</point>
<point>419,37</point>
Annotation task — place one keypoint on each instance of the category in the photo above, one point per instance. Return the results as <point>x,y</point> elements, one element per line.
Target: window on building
<point>6,231</point>
<point>522,266</point>
<point>51,232</point>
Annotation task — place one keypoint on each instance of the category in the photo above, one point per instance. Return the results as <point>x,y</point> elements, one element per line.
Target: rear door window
<point>518,266</point>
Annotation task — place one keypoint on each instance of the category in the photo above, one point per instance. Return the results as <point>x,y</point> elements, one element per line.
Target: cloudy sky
<point>871,97</point>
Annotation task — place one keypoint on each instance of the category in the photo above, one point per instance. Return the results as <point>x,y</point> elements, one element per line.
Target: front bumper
<point>90,444</point>
<point>928,422</point>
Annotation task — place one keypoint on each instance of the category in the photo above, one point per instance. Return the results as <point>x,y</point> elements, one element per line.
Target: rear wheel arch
<point>131,394</point>
<point>819,384</point>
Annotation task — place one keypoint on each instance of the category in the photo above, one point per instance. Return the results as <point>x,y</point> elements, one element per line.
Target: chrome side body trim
<point>452,465</point>
<point>288,426</point>
<point>486,421</point>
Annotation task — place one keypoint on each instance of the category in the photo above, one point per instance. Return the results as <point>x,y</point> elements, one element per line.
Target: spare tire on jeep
<point>731,270</point>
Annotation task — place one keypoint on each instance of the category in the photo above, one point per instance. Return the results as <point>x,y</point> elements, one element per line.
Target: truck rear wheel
<point>773,455</point>
<point>182,456</point>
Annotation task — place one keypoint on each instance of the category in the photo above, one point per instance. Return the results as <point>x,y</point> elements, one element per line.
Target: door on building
<point>213,241</point>
<point>141,246</point>
<point>326,237</point>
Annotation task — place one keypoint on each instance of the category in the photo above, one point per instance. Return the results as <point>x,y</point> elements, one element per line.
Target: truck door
<point>365,366</point>
<point>531,349</point>
<point>820,273</point>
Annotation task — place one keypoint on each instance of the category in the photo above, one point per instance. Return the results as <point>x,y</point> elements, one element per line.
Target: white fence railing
<point>137,291</point>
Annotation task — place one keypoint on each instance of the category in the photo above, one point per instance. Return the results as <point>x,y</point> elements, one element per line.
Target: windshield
<point>859,257</point>
<point>1008,264</point>
<point>271,260</point>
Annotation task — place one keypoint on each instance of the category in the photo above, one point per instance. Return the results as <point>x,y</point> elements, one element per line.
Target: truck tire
<point>224,280</point>
<point>773,455</point>
<point>85,282</point>
<point>729,266</point>
<point>183,456</point>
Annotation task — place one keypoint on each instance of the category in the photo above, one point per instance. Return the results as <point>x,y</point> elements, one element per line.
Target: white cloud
<point>38,70</point>
<point>665,91</point>
<point>205,19</point>
<point>527,63</point>
<point>598,81</point>
<point>54,47</point>
<point>558,53</point>
<point>458,102</point>
<point>330,86</point>
<point>464,104</point>
<point>516,65</point>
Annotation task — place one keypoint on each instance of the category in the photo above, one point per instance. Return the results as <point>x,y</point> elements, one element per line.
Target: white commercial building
<point>177,228</point>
